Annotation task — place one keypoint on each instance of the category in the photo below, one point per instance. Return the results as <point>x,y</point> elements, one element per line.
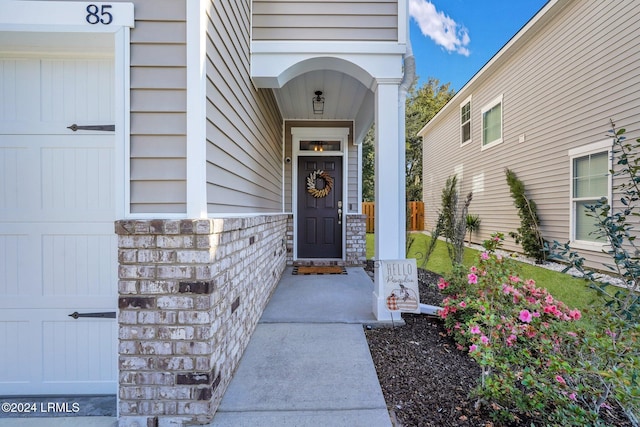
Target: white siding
<point>560,86</point>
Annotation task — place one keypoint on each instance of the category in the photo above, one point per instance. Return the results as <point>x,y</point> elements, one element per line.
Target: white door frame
<point>334,133</point>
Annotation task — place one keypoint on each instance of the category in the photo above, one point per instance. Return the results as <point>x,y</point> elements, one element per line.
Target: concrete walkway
<point>308,362</point>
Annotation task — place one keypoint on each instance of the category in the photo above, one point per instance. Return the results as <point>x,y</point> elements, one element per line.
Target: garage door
<point>57,244</point>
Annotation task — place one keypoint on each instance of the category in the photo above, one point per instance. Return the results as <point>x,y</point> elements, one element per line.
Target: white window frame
<point>470,121</point>
<point>487,107</point>
<point>597,147</point>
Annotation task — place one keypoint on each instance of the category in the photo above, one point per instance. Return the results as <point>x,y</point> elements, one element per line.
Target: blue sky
<point>453,39</point>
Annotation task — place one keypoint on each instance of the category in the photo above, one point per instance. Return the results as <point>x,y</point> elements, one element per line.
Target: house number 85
<point>99,15</point>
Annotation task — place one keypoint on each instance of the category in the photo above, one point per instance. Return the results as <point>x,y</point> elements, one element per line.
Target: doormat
<point>319,269</point>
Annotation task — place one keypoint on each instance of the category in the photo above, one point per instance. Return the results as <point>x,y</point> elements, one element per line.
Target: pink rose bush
<point>514,330</point>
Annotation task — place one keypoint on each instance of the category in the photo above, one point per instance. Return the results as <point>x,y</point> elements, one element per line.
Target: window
<point>492,123</point>
<point>590,181</point>
<point>465,121</point>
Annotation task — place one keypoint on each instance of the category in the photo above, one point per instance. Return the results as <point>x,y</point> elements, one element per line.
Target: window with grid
<point>465,122</point>
<point>492,123</point>
<point>590,182</point>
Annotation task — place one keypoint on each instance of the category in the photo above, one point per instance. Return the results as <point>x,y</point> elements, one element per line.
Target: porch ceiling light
<point>318,103</point>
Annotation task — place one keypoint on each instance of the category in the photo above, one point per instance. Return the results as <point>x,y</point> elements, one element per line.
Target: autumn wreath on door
<point>311,184</point>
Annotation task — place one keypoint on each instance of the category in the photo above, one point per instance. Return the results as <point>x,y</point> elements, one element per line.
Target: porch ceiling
<point>345,98</point>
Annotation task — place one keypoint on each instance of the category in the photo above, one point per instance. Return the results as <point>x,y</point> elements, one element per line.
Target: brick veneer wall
<point>190,295</point>
<point>356,239</point>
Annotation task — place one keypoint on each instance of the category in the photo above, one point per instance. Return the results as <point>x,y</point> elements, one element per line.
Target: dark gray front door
<point>319,218</point>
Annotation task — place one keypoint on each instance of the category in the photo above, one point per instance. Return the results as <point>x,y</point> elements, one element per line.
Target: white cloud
<point>439,27</point>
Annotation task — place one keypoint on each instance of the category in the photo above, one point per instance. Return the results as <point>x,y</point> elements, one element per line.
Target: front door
<point>320,210</point>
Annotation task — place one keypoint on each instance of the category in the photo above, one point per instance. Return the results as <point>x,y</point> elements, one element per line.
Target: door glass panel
<point>319,146</point>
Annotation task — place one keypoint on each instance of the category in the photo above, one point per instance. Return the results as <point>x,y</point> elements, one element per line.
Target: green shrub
<point>608,359</point>
<point>528,234</point>
<point>514,330</point>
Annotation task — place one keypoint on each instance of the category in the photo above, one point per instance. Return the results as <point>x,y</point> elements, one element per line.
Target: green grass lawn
<point>570,290</point>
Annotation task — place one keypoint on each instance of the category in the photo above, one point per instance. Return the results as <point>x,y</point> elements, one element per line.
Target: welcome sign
<point>400,284</point>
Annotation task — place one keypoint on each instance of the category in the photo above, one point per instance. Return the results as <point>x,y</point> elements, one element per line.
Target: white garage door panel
<point>62,90</point>
<point>14,162</point>
<point>90,343</point>
<point>14,253</point>
<point>58,249</point>
<point>57,178</point>
<point>77,178</point>
<point>79,353</point>
<point>14,352</point>
<point>78,264</point>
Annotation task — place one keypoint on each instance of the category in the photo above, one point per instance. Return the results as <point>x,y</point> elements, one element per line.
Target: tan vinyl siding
<point>559,87</point>
<point>158,107</point>
<point>356,20</point>
<point>244,127</point>
<point>353,200</point>
<point>352,154</point>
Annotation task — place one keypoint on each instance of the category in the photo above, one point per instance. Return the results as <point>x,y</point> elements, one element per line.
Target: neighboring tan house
<point>190,124</point>
<point>542,108</point>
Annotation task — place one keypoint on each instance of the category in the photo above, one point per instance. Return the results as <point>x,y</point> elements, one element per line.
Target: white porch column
<point>390,186</point>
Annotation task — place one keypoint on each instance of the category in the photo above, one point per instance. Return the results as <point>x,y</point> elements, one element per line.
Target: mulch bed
<point>425,380</point>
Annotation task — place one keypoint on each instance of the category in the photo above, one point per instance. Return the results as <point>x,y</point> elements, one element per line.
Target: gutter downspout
<point>407,80</point>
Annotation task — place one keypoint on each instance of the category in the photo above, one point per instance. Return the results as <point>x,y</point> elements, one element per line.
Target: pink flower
<point>475,329</point>
<point>442,284</point>
<point>472,348</point>
<point>484,256</point>
<point>575,314</point>
<point>511,339</point>
<point>560,379</point>
<point>572,396</point>
<point>514,279</point>
<point>525,316</point>
<point>473,269</point>
<point>484,340</point>
<point>473,279</point>
<point>462,304</point>
<point>507,289</point>
<point>530,282</point>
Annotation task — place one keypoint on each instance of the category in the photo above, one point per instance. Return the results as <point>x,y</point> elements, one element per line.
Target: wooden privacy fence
<point>415,217</point>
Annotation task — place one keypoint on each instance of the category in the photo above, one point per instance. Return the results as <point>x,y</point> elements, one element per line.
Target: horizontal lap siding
<point>559,90</point>
<point>371,20</point>
<point>244,126</point>
<point>158,107</point>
